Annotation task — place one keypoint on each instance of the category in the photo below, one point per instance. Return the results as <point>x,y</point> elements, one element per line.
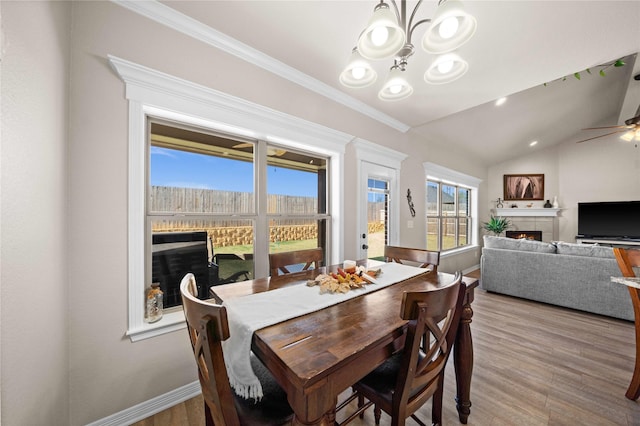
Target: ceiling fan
<point>277,152</point>
<point>631,127</point>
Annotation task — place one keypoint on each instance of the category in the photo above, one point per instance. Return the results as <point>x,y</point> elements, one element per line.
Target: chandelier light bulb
<point>445,67</point>
<point>395,89</point>
<point>448,27</point>
<point>379,35</point>
<point>358,73</point>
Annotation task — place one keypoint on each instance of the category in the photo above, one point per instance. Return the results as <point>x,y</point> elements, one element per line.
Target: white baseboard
<point>472,268</point>
<point>149,408</point>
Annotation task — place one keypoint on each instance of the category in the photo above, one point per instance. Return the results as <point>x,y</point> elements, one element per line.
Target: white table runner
<point>247,314</point>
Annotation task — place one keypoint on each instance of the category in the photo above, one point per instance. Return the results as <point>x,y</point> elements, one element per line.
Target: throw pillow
<point>588,250</point>
<point>521,244</point>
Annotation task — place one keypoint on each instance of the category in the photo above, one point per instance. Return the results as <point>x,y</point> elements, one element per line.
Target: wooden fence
<point>237,232</point>
<point>194,200</point>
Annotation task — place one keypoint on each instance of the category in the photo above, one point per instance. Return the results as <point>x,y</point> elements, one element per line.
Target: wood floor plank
<point>535,365</point>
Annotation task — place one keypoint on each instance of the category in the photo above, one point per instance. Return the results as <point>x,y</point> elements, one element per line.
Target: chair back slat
<point>208,327</point>
<point>278,262</point>
<point>434,314</point>
<point>425,258</point>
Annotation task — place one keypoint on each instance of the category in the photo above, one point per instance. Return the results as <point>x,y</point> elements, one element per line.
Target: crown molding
<point>378,154</point>
<point>180,22</point>
<point>161,90</point>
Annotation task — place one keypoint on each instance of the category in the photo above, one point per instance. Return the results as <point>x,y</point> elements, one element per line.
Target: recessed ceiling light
<point>501,101</point>
<point>533,143</point>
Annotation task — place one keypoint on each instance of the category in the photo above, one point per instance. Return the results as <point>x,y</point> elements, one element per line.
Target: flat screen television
<point>613,219</point>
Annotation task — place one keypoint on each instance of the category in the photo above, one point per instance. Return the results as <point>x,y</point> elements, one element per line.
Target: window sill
<point>454,252</point>
<point>169,322</point>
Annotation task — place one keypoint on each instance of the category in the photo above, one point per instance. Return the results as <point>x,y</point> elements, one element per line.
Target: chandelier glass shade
<point>358,73</point>
<point>396,87</point>
<point>445,69</point>
<point>383,37</point>
<point>450,28</point>
<point>388,35</point>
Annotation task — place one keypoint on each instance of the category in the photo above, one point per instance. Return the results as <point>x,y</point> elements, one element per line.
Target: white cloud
<point>162,151</point>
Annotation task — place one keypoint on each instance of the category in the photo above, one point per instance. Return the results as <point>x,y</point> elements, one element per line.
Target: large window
<point>451,209</point>
<point>203,210</point>
<point>211,114</point>
<point>448,216</point>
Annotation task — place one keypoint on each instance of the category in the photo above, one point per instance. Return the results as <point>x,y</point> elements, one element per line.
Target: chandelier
<point>389,35</point>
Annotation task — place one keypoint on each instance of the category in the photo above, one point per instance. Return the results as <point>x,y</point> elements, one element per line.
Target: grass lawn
<point>229,265</point>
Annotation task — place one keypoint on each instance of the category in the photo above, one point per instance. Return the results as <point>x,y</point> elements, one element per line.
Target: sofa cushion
<point>518,244</point>
<point>588,250</point>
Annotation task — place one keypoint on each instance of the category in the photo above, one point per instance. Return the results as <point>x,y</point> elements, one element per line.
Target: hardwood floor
<point>535,364</point>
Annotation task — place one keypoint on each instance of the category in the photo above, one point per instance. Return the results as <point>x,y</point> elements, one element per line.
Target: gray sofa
<point>576,276</point>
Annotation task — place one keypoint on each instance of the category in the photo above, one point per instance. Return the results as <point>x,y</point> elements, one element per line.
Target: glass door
<point>377,216</point>
<point>378,212</point>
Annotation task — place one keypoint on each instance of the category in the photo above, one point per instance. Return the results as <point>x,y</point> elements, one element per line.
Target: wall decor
<point>524,187</point>
<point>412,209</point>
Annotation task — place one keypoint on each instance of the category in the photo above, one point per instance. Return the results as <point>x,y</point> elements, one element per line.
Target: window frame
<point>443,175</point>
<point>443,219</point>
<point>165,97</point>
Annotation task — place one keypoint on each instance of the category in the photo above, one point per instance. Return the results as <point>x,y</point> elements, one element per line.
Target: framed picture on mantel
<point>523,187</point>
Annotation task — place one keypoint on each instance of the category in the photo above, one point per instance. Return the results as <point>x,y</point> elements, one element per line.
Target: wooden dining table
<point>317,356</point>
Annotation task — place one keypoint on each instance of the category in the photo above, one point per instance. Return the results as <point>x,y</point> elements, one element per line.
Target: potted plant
<point>496,225</point>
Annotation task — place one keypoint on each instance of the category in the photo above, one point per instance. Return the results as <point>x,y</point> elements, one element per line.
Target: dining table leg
<point>463,360</point>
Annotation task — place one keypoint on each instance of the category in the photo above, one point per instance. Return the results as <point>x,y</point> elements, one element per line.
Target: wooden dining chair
<point>407,380</point>
<point>627,260</point>
<point>425,258</point>
<point>208,327</point>
<point>279,262</point>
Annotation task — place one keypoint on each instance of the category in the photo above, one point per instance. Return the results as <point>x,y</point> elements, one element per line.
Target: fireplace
<point>529,235</point>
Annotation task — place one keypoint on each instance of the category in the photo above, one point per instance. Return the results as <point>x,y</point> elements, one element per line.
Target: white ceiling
<point>518,46</point>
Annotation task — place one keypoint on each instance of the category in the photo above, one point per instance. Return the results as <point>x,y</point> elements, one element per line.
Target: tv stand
<point>610,242</point>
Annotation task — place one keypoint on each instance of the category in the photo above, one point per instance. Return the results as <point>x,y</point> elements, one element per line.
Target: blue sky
<point>187,170</point>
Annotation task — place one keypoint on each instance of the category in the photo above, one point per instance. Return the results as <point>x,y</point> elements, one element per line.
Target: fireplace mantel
<point>526,211</point>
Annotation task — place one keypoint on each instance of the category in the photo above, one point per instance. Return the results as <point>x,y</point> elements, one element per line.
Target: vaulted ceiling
<point>517,48</point>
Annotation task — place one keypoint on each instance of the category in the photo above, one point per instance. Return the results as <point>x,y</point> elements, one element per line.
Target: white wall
<point>33,278</point>
<point>64,202</point>
<point>606,169</point>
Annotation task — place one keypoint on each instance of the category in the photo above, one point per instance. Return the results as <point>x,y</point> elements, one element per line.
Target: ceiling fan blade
<point>606,127</point>
<point>601,136</point>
